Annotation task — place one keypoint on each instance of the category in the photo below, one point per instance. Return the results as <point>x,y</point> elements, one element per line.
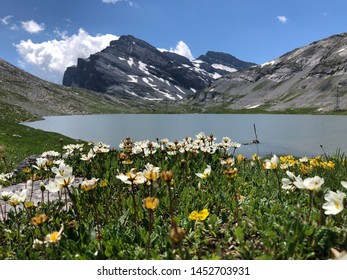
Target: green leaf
<point>238,232</point>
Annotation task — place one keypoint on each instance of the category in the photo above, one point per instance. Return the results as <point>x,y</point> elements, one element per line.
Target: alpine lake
<point>280,134</point>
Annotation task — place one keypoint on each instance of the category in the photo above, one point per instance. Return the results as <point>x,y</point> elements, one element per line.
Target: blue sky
<point>45,36</point>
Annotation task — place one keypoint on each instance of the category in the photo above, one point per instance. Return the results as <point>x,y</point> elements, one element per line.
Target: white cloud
<point>118,1</point>
<point>111,1</point>
<point>32,26</point>
<point>50,59</point>
<point>182,49</point>
<point>282,19</point>
<point>5,20</point>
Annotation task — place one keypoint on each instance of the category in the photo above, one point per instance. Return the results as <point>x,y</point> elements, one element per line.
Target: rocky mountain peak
<point>226,59</point>
<point>132,68</point>
<point>310,74</point>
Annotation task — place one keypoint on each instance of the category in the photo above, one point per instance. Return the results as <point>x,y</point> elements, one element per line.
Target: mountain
<point>24,96</point>
<point>311,77</point>
<point>131,68</point>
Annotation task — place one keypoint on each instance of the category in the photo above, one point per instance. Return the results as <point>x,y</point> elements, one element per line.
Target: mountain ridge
<point>309,76</point>
<point>310,79</point>
<point>132,68</point>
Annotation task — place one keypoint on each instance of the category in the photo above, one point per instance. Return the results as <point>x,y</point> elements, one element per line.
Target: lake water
<point>298,135</point>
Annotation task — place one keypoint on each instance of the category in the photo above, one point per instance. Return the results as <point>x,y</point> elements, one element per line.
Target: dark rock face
<point>308,77</point>
<point>131,68</point>
<point>222,63</point>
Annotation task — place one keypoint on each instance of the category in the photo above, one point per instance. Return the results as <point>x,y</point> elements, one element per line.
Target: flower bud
<point>177,234</point>
<point>167,176</point>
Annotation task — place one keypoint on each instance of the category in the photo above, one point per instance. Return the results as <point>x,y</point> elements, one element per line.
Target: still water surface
<point>299,135</point>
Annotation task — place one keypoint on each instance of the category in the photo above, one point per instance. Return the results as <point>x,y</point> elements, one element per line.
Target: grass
<point>182,200</point>
<point>18,141</point>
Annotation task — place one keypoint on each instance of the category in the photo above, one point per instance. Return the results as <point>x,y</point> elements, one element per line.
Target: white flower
<point>313,184</point>
<point>65,180</point>
<point>88,185</point>
<point>5,195</point>
<point>229,162</point>
<point>18,197</point>
<point>289,183</point>
<point>3,177</point>
<point>58,161</point>
<point>136,150</point>
<point>303,159</point>
<point>201,136</point>
<point>338,255</point>
<point>235,145</point>
<point>132,177</point>
<point>344,184</point>
<point>63,169</point>
<point>151,172</point>
<point>334,204</point>
<point>41,163</point>
<point>37,244</point>
<point>54,237</point>
<point>50,153</point>
<point>101,147</point>
<point>271,163</point>
<point>124,178</point>
<point>52,187</point>
<point>206,174</point>
<point>64,177</point>
<point>88,156</point>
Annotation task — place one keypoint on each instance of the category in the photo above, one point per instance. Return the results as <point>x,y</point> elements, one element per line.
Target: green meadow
<point>197,198</point>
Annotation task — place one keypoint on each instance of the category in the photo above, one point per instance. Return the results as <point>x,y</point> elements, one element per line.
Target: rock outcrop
<point>131,68</point>
<point>312,76</point>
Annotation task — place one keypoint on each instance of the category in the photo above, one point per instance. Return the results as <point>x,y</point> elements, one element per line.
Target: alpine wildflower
<point>334,202</point>
<point>205,174</point>
<point>199,216</point>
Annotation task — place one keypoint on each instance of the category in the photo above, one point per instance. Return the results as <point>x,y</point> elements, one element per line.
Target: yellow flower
<point>241,158</point>
<point>104,183</point>
<point>55,236</point>
<point>255,157</point>
<point>38,219</point>
<point>151,203</point>
<point>199,216</point>
<point>29,204</point>
<point>328,165</point>
<point>27,170</point>
<point>314,162</point>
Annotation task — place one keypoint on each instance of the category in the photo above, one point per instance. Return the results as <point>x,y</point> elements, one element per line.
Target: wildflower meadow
<point>191,199</point>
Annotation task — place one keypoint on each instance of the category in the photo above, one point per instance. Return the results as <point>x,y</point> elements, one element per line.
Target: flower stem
<point>135,205</point>
<point>150,229</point>
<point>279,185</point>
<point>310,208</point>
<point>2,213</point>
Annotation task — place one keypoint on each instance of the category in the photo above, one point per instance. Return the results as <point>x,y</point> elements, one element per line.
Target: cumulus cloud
<point>182,49</point>
<point>50,59</point>
<point>32,26</point>
<point>282,19</point>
